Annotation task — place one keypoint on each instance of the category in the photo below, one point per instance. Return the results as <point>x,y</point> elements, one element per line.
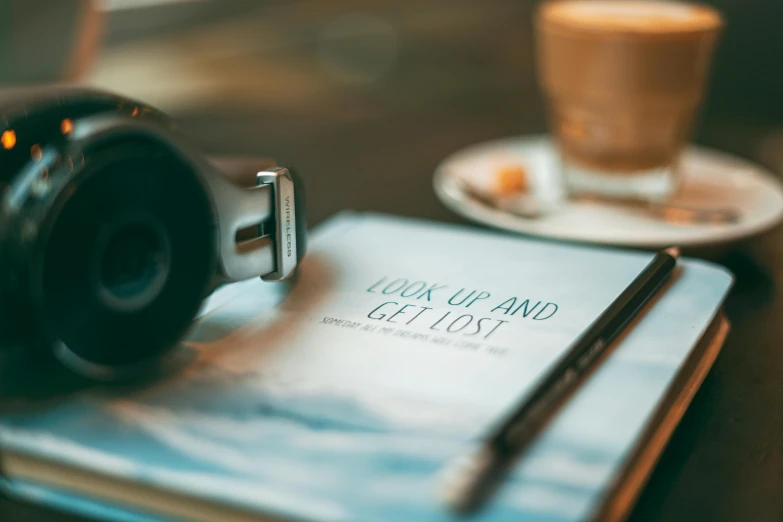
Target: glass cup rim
<point>545,22</point>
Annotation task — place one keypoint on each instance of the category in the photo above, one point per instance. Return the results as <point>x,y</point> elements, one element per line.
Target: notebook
<point>342,395</point>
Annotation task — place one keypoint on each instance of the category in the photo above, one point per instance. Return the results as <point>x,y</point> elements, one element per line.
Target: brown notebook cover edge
<point>630,480</point>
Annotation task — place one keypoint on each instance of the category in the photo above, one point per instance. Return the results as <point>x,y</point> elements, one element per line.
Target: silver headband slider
<point>284,203</point>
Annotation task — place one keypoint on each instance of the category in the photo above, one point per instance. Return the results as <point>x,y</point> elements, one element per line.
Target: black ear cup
<point>128,257</point>
<point>30,122</point>
<point>108,250</point>
<point>110,231</point>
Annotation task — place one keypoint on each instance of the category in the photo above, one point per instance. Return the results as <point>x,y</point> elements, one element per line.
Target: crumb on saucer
<point>511,180</point>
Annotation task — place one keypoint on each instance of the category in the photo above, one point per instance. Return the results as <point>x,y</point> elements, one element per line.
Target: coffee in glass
<point>623,81</point>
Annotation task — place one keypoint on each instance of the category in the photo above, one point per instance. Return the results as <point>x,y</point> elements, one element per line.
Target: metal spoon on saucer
<point>528,207</point>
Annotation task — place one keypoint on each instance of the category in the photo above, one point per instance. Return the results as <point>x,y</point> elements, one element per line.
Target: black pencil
<point>471,480</point>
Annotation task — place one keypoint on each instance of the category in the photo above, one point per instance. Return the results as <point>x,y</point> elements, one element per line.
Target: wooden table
<point>276,81</point>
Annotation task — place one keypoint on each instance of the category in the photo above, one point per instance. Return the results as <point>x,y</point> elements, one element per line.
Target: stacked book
<point>345,394</point>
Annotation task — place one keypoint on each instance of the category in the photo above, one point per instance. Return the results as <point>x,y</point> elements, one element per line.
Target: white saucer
<point>710,179</point>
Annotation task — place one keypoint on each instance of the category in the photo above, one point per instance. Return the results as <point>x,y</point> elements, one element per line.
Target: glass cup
<point>623,81</point>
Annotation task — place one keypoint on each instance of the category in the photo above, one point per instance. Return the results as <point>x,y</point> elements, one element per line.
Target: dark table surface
<point>367,137</point>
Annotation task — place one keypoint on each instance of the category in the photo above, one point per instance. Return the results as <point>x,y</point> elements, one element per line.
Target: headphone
<point>113,230</point>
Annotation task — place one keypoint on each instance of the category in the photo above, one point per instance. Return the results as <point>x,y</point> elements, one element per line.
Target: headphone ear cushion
<point>123,267</point>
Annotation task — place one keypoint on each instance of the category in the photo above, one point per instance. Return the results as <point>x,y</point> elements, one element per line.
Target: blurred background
<point>358,92</point>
